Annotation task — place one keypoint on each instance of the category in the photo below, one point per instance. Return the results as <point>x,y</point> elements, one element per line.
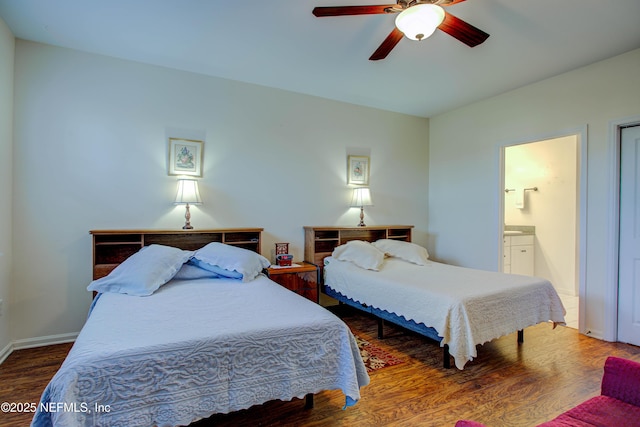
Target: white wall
<point>7,44</point>
<point>551,167</point>
<point>464,163</point>
<point>91,146</point>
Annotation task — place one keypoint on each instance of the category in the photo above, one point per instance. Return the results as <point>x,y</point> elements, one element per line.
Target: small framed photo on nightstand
<point>185,157</point>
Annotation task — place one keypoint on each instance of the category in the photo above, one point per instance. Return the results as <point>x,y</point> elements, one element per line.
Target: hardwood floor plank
<point>507,385</point>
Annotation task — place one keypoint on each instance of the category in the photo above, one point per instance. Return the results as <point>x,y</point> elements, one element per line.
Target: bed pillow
<point>143,272</point>
<point>361,253</point>
<point>216,270</point>
<point>405,250</point>
<point>230,261</point>
<point>190,271</point>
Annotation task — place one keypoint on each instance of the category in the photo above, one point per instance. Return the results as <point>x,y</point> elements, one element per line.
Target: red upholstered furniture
<point>618,404</point>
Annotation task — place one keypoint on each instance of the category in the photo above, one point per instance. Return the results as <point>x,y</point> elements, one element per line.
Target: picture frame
<point>185,157</point>
<point>358,170</point>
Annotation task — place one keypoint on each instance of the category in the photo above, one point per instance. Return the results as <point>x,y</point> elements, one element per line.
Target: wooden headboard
<point>111,247</point>
<point>319,242</point>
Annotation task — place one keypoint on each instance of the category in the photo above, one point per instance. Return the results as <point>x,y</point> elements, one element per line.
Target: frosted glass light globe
<point>420,21</point>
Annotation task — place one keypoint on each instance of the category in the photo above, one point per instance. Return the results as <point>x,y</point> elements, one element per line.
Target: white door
<point>629,251</point>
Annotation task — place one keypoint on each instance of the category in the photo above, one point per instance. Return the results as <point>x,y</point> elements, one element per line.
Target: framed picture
<point>358,170</point>
<point>185,157</point>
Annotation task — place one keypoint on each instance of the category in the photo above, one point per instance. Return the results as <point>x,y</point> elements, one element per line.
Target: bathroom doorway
<point>541,197</point>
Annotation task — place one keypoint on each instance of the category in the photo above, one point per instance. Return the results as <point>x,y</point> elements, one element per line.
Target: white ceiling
<point>280,44</point>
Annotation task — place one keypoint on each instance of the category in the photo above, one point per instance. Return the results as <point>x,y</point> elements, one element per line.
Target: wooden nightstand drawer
<point>301,278</point>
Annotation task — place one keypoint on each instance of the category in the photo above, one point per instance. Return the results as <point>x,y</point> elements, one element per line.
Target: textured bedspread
<point>195,348</point>
<point>465,306</point>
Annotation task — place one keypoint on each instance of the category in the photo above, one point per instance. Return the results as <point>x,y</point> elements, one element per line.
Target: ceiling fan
<point>411,12</point>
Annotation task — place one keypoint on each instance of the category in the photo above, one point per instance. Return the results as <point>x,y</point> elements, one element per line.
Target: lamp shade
<point>361,197</point>
<point>188,192</point>
<point>420,21</point>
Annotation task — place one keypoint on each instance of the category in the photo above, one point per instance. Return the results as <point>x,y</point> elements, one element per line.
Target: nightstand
<point>301,278</point>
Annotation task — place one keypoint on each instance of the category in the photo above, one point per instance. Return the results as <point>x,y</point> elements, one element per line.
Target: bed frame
<point>112,247</point>
<point>320,243</point>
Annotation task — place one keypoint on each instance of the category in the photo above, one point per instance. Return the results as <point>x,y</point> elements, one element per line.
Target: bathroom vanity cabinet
<point>518,254</point>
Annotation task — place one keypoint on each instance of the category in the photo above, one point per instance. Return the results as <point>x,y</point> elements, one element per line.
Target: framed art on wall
<point>185,157</point>
<point>358,170</point>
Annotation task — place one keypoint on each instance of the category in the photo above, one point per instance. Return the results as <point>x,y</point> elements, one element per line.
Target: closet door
<point>629,250</point>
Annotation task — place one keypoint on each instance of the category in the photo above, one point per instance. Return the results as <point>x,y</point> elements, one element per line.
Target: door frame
<point>581,219</point>
<point>610,332</point>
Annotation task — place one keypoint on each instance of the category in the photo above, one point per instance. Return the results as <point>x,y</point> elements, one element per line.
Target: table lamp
<point>187,194</point>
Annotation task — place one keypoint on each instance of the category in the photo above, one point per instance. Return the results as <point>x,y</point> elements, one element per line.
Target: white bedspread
<point>199,347</point>
<point>465,306</point>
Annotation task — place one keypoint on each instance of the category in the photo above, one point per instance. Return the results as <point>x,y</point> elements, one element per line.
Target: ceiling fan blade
<point>353,10</point>
<point>461,30</point>
<point>387,45</point>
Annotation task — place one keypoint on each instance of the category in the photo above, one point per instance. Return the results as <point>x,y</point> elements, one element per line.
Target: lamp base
<point>362,224</point>
<point>187,217</point>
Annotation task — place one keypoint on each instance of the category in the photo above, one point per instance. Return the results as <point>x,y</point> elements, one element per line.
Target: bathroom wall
<point>551,166</point>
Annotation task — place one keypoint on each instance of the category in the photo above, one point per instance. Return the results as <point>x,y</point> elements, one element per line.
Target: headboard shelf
<point>319,242</point>
<point>111,247</point>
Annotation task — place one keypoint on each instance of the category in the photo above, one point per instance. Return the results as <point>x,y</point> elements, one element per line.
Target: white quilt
<point>195,348</point>
<point>465,306</point>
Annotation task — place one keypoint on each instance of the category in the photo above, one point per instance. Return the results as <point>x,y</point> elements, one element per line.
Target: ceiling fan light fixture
<point>420,21</point>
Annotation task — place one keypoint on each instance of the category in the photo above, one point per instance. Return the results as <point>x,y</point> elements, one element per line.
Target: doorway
<point>542,196</point>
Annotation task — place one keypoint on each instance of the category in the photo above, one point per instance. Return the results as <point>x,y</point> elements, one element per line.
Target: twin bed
<point>378,270</point>
<point>176,335</point>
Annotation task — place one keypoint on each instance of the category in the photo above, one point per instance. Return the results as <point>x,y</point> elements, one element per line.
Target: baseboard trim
<point>6,351</point>
<point>44,341</point>
<point>36,342</point>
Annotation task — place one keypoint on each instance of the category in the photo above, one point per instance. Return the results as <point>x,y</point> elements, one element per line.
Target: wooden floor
<point>507,385</point>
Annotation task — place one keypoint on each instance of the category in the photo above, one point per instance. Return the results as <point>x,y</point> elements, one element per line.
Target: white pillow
<point>218,257</point>
<point>214,269</point>
<point>361,253</point>
<point>190,271</point>
<point>405,250</point>
<point>143,272</point>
